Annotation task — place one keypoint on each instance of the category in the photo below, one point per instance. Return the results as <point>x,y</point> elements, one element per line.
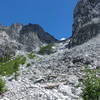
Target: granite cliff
<point>86,21</point>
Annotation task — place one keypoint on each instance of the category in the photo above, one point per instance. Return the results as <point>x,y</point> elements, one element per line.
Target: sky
<point>55,16</point>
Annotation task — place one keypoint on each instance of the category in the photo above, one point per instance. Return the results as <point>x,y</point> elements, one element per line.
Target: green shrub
<point>5,58</point>
<point>91,91</point>
<point>28,65</point>
<point>46,49</point>
<point>22,60</point>
<point>31,55</point>
<point>8,68</point>
<point>2,86</point>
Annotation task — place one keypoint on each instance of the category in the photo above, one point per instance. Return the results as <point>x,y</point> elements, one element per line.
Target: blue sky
<point>55,16</point>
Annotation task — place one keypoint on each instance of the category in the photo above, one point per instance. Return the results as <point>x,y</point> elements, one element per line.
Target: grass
<point>28,65</point>
<point>46,49</point>
<point>2,86</point>
<point>31,55</point>
<point>91,82</point>
<point>12,66</point>
<point>5,58</point>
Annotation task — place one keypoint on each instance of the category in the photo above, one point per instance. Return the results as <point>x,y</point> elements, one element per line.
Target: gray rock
<point>55,76</point>
<point>86,21</point>
<point>33,36</point>
<point>24,37</point>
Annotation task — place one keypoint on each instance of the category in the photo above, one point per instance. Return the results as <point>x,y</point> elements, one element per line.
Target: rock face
<point>7,46</point>
<point>23,37</point>
<point>86,21</point>
<point>33,36</point>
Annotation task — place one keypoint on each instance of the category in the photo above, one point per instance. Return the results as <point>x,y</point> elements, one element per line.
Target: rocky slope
<point>56,76</point>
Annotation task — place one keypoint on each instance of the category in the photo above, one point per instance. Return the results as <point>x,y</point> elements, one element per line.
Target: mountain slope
<point>54,76</point>
<point>57,76</point>
<point>25,37</point>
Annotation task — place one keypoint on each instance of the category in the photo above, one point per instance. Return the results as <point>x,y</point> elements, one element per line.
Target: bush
<point>2,86</point>
<point>91,91</point>
<point>28,65</point>
<point>46,49</point>
<point>8,68</point>
<point>31,55</point>
<point>5,58</point>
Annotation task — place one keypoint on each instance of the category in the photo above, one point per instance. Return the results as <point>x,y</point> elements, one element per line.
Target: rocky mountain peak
<point>33,36</point>
<point>16,26</point>
<point>33,27</point>
<point>24,37</point>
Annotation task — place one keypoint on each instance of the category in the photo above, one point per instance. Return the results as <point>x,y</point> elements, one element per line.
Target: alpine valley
<point>36,66</point>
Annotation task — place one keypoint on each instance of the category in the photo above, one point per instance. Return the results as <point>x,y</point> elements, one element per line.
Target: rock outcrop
<point>7,46</point>
<point>86,21</point>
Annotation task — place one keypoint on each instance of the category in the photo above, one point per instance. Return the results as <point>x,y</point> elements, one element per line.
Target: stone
<point>23,37</point>
<point>86,21</point>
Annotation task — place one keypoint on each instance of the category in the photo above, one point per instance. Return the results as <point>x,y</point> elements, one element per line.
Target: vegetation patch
<point>31,55</point>
<point>5,58</point>
<point>12,66</point>
<point>28,65</point>
<point>91,82</point>
<point>46,49</point>
<point>2,86</point>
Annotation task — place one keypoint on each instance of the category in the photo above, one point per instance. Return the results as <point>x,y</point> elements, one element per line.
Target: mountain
<point>34,36</point>
<point>59,74</point>
<point>23,37</point>
<point>86,21</point>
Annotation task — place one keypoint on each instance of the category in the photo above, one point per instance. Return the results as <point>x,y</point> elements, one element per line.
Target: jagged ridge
<point>24,37</point>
